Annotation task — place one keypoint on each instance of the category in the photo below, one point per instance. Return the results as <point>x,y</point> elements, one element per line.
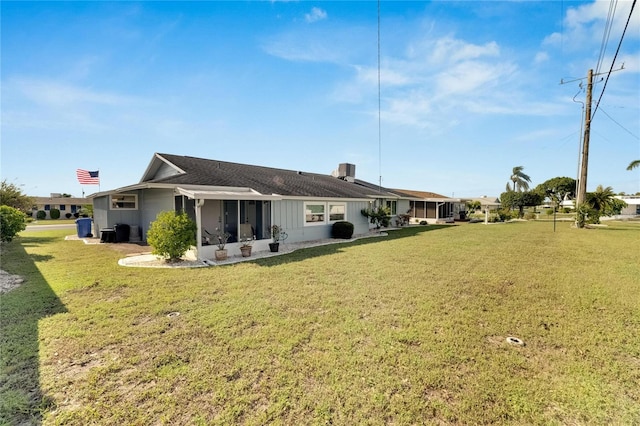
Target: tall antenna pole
<point>582,179</point>
<point>379,111</point>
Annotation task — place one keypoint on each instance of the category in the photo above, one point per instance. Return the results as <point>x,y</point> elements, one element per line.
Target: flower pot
<point>246,251</point>
<point>274,247</point>
<point>221,254</point>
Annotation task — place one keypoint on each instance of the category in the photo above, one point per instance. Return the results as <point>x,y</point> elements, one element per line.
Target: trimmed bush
<point>12,221</point>
<point>54,214</point>
<point>342,229</point>
<point>41,215</point>
<point>76,215</point>
<point>171,235</point>
<point>67,215</point>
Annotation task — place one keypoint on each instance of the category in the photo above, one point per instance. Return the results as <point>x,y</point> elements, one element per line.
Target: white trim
<point>324,213</point>
<point>330,204</point>
<point>113,206</point>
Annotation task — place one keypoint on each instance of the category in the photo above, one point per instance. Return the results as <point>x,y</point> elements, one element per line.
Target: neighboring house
<point>428,206</point>
<point>486,202</point>
<point>57,201</point>
<point>237,197</point>
<point>633,206</point>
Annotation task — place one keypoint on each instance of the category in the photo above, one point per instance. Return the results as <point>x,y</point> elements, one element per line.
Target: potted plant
<point>245,245</point>
<point>278,234</point>
<point>220,239</point>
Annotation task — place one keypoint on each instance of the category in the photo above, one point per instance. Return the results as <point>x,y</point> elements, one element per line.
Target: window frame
<point>392,205</point>
<point>113,204</point>
<point>344,213</point>
<point>324,213</point>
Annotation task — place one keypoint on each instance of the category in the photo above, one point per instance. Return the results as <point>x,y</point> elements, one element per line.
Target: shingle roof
<point>266,180</point>
<point>417,194</point>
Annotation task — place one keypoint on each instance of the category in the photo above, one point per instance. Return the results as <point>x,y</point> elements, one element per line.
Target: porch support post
<point>199,203</point>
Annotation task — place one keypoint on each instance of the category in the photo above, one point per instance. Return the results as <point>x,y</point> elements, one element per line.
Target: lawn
<point>405,329</point>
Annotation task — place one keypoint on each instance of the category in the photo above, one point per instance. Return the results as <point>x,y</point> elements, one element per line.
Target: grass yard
<point>407,329</point>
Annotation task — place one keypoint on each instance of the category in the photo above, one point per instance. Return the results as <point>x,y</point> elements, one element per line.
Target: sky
<point>468,90</point>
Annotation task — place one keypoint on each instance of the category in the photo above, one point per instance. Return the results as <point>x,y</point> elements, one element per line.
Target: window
<point>392,206</point>
<point>47,207</point>
<point>314,213</point>
<point>337,212</point>
<point>124,202</point>
<point>63,207</point>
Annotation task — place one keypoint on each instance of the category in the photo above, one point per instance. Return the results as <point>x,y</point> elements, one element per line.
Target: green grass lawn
<point>405,329</point>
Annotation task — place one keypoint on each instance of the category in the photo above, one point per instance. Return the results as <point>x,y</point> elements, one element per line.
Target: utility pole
<point>582,179</point>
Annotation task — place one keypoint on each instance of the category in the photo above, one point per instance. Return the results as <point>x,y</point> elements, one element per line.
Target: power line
<point>607,32</point>
<point>621,126</point>
<point>614,59</point>
<point>379,110</point>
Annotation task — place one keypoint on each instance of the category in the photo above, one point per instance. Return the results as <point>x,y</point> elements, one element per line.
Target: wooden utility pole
<point>582,179</point>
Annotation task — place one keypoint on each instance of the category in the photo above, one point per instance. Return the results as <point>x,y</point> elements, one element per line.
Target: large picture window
<point>314,213</point>
<point>337,212</point>
<point>124,202</point>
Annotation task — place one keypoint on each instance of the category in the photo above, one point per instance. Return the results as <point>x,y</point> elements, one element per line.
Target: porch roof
<point>237,194</point>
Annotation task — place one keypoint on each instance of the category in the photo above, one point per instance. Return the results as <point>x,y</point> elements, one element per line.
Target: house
<point>633,206</point>
<point>428,206</point>
<point>486,202</point>
<point>66,205</point>
<point>239,198</point>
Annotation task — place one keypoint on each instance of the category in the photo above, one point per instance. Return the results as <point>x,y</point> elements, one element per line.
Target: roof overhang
<point>226,194</point>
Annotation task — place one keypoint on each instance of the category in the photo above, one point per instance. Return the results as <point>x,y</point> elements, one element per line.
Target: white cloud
<point>316,15</point>
<point>541,57</point>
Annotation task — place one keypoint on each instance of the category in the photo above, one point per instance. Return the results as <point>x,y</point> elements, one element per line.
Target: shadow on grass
<point>327,249</point>
<point>21,398</point>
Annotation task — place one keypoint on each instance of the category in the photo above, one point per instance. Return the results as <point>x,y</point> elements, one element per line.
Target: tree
<point>520,200</point>
<point>12,221</point>
<point>12,196</point>
<point>557,189</point>
<point>633,164</point>
<point>520,179</point>
<point>171,235</point>
<point>473,206</point>
<point>601,202</point>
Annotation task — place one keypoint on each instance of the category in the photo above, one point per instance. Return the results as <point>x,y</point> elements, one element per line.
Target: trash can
<point>83,226</point>
<point>122,233</point>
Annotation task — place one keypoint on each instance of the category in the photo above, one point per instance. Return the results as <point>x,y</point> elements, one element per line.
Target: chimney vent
<point>347,171</point>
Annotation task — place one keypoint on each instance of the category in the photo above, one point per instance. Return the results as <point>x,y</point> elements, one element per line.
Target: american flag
<point>86,177</point>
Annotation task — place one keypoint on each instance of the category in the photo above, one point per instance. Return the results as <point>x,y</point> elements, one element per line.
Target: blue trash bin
<point>83,226</point>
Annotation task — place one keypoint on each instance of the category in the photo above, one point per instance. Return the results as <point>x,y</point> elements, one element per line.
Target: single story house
<point>429,206</point>
<point>633,206</point>
<point>66,205</point>
<point>486,202</point>
<point>239,199</point>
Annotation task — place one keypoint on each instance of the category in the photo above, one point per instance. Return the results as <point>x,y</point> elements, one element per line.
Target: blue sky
<point>468,90</point>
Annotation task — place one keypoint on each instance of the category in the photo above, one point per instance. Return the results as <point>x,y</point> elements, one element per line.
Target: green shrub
<point>171,235</point>
<point>54,214</point>
<point>12,221</point>
<point>41,215</point>
<point>505,214</point>
<point>67,215</point>
<point>549,212</point>
<point>379,217</point>
<point>342,229</point>
<point>566,210</point>
<point>530,216</point>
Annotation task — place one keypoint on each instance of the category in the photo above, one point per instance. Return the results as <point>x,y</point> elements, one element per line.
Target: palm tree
<point>601,198</point>
<point>519,179</point>
<point>633,164</point>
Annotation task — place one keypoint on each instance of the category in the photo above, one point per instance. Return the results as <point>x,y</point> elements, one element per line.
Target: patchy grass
<point>407,329</point>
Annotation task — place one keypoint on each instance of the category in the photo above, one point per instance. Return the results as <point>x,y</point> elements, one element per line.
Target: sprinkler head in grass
<point>515,341</point>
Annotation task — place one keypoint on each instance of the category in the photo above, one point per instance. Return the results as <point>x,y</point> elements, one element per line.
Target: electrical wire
<point>607,32</point>
<point>379,110</point>
<point>614,59</point>
<point>621,126</point>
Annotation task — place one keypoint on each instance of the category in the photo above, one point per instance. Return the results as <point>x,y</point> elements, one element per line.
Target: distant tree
<point>520,179</point>
<point>12,196</point>
<point>557,189</point>
<point>473,206</point>
<point>519,200</point>
<point>633,164</point>
<point>65,195</point>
